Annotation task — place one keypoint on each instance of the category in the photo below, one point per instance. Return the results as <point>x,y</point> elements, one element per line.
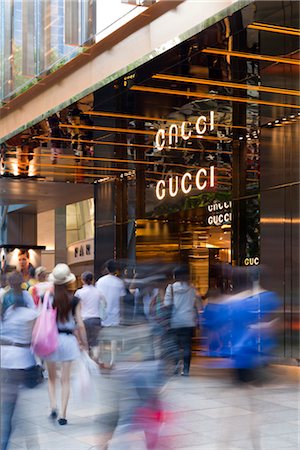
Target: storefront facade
<point>214,133</point>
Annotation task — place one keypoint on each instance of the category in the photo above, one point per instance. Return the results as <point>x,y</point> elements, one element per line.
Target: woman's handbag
<point>45,332</point>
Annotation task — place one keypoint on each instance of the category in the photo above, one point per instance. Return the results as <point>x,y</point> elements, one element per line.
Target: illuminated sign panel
<point>219,213</point>
<point>184,131</point>
<point>204,178</point>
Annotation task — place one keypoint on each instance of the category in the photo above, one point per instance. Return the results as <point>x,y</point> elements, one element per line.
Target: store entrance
<point>202,248</point>
<point>184,238</point>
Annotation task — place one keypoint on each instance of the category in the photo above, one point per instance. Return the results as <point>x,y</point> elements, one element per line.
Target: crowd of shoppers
<point>118,309</point>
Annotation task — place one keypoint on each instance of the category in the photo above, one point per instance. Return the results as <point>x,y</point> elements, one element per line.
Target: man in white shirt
<point>92,303</point>
<point>113,289</point>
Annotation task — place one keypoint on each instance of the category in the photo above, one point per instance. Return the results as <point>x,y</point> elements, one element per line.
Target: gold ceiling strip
<point>130,131</point>
<point>212,96</point>
<point>90,158</point>
<point>226,84</point>
<point>276,59</point>
<point>274,28</point>
<point>158,119</point>
<point>71,166</point>
<point>75,174</point>
<point>117,144</point>
<point>115,130</point>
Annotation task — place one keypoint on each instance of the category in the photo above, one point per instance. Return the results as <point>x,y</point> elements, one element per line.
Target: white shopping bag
<point>85,377</point>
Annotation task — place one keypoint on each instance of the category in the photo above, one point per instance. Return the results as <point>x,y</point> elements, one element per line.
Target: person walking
<point>38,290</point>
<point>183,297</point>
<point>92,303</point>
<point>113,289</point>
<point>71,336</point>
<point>17,320</point>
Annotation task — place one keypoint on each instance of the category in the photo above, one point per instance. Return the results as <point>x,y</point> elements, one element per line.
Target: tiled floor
<point>206,412</point>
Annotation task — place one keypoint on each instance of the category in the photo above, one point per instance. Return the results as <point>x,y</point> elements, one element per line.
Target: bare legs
<point>65,385</point>
<point>51,367</point>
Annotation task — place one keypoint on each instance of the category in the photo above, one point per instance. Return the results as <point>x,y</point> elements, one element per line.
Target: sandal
<point>53,414</point>
<point>62,421</point>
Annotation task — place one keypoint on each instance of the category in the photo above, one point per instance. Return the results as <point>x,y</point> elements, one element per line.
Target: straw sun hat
<point>61,274</point>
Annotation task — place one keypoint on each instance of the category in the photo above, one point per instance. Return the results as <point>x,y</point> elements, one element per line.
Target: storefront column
<point>239,112</point>
<point>60,235</point>
<point>111,206</point>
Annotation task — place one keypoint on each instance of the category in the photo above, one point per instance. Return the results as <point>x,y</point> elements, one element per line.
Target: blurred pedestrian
<point>182,299</point>
<point>3,287</point>
<point>113,289</point>
<point>92,302</point>
<point>71,336</point>
<point>37,291</point>
<point>17,321</point>
<point>15,292</point>
<point>253,321</point>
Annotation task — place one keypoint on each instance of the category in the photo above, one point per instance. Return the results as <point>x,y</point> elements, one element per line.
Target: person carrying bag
<point>45,332</point>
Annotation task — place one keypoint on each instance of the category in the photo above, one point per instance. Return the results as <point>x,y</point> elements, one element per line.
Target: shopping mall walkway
<point>206,412</point>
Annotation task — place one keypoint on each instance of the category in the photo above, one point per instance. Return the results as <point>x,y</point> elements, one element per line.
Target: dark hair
<point>24,252</point>
<point>62,301</point>
<point>31,271</point>
<point>181,273</point>
<point>87,277</point>
<point>113,266</point>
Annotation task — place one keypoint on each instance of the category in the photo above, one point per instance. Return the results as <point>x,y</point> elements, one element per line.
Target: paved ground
<point>208,413</point>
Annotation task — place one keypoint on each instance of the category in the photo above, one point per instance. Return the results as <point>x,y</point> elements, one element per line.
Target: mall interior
<point>154,131</point>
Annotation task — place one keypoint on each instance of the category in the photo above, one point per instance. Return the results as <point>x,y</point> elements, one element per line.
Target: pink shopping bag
<point>45,333</point>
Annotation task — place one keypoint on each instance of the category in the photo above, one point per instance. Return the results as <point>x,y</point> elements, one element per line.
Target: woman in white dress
<point>16,323</point>
<point>71,336</point>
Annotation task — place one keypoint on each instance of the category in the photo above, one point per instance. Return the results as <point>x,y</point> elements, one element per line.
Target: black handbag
<point>33,376</point>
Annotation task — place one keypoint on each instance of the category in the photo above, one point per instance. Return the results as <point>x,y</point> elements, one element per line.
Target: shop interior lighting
<point>276,59</point>
<point>212,96</point>
<point>274,28</point>
<point>228,84</point>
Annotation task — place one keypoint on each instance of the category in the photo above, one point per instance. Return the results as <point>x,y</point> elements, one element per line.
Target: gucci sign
<point>204,178</point>
<point>183,130</point>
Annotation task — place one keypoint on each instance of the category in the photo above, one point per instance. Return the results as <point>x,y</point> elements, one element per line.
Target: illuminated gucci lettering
<point>184,131</point>
<point>204,177</point>
<point>251,261</point>
<point>219,213</point>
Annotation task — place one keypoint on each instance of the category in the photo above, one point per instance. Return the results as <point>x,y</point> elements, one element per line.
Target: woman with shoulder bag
<point>17,361</point>
<point>71,337</point>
